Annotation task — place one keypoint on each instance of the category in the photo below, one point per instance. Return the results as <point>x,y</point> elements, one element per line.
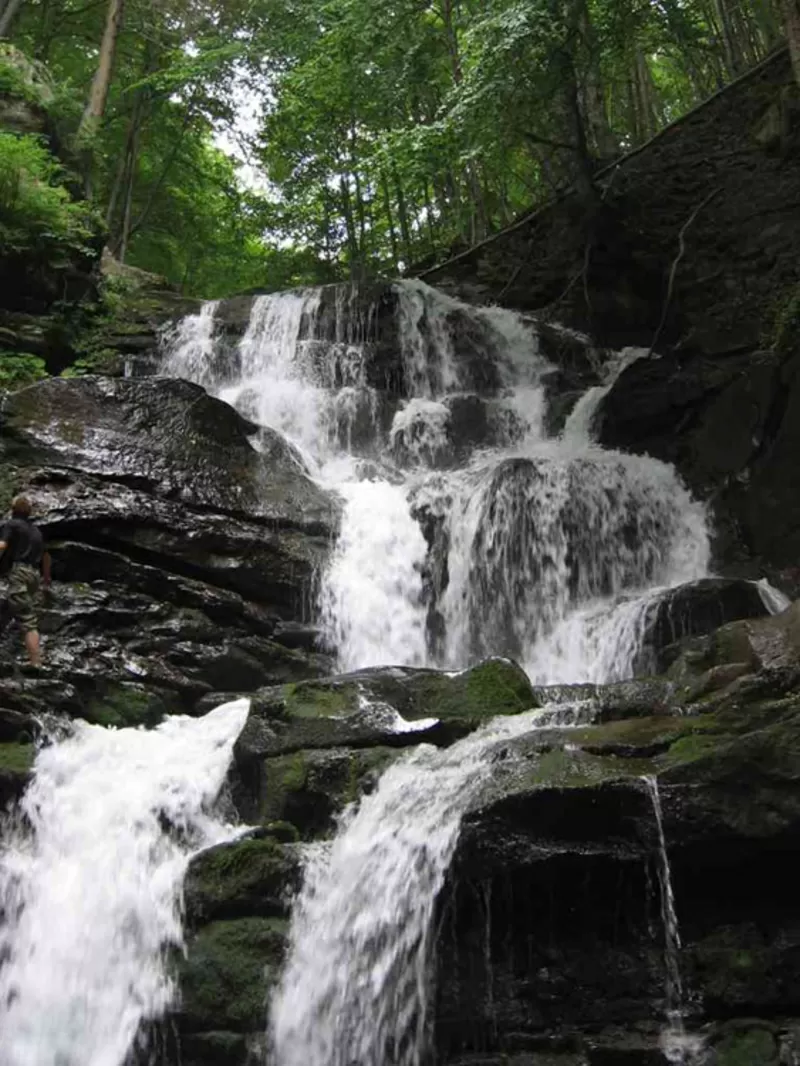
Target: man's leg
<point>23,586</point>
<point>32,647</point>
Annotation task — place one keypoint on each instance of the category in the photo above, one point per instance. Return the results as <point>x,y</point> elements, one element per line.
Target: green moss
<point>751,1047</point>
<point>310,700</point>
<point>690,748</point>
<point>309,788</point>
<point>499,685</point>
<point>16,758</point>
<point>561,768</point>
<point>228,970</point>
<point>247,876</point>
<point>492,688</point>
<point>126,704</point>
<point>289,773</point>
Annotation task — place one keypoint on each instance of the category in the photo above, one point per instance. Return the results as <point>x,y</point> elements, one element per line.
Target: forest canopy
<point>229,145</point>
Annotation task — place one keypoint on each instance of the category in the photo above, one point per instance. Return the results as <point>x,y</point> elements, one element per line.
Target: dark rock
<point>692,610</point>
<point>253,876</point>
<point>166,437</point>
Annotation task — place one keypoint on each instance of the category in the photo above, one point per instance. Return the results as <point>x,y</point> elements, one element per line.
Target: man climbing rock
<point>24,561</point>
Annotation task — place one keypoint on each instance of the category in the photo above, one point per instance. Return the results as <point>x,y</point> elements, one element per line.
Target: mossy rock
<point>492,688</point>
<point>310,788</point>
<point>16,763</point>
<point>249,877</point>
<point>16,758</point>
<point>568,768</point>
<point>381,706</point>
<point>129,704</point>
<point>747,1046</point>
<point>227,973</point>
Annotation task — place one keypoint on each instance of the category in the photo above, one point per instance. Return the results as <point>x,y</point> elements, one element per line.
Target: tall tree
<point>101,82</point>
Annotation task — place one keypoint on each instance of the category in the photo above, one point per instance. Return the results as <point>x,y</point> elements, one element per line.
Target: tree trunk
<point>98,95</point>
<point>402,211</point>
<point>790,11</point>
<point>349,222</point>
<point>46,31</point>
<point>730,44</point>
<point>387,207</point>
<point>601,137</point>
<point>8,12</point>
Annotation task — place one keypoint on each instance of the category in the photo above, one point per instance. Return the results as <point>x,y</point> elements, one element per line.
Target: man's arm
<point>46,570</point>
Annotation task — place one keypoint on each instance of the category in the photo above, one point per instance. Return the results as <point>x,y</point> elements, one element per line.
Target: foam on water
<point>91,879</point>
<point>545,549</point>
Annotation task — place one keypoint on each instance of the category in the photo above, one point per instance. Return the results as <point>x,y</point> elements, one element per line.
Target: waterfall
<point>90,884</point>
<point>466,529</point>
<point>355,987</point>
<point>679,1047</point>
<point>191,343</point>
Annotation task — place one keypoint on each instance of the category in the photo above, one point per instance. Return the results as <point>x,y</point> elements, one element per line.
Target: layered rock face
<point>185,545</point>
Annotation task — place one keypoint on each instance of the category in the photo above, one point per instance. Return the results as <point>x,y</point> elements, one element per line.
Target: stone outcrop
<point>184,558</point>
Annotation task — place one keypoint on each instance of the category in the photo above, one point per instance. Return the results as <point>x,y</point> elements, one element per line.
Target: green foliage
<point>36,209</point>
<point>18,369</point>
<point>376,137</point>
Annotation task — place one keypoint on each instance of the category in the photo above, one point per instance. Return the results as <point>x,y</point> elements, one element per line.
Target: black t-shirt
<point>25,544</point>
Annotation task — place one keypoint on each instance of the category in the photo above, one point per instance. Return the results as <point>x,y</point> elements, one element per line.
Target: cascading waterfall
<point>467,530</point>
<point>90,884</point>
<point>355,986</point>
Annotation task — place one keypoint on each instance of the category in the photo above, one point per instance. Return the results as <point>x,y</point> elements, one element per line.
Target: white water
<point>468,532</point>
<point>190,345</point>
<point>680,1048</point>
<point>90,884</point>
<point>355,986</point>
<point>547,549</point>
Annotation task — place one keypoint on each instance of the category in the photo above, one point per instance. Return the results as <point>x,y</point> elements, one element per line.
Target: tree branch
<point>674,268</point>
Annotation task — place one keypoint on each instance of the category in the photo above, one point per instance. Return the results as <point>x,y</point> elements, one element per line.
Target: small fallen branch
<point>674,268</point>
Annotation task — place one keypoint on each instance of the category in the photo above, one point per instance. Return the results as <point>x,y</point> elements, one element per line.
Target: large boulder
<point>695,609</point>
<point>395,706</point>
<point>169,438</point>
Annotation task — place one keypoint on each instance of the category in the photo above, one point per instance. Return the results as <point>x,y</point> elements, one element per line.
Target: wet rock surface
<point>179,549</point>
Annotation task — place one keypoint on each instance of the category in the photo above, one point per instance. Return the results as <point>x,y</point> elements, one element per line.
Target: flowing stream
<point>680,1048</point>
<point>468,529</point>
<point>355,988</point>
<point>91,879</point>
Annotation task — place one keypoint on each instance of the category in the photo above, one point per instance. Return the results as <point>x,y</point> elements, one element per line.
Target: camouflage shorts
<point>23,588</point>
